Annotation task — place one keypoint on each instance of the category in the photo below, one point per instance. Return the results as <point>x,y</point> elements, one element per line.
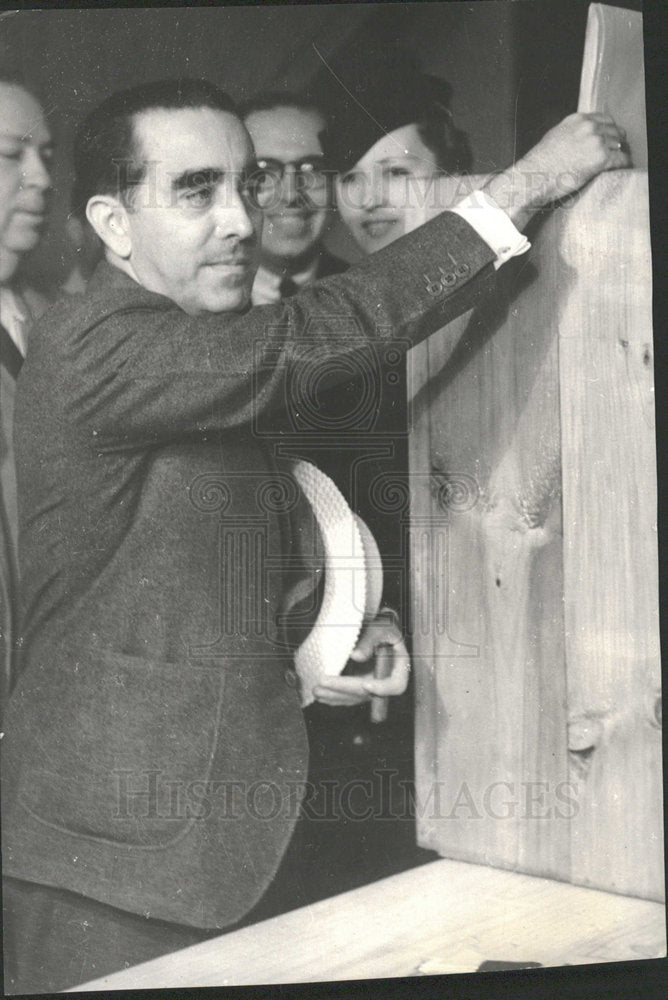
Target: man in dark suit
<point>25,153</point>
<point>288,134</point>
<point>154,746</point>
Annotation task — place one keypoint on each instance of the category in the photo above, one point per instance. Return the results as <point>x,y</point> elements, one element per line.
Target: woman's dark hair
<point>371,91</point>
<point>107,158</point>
<point>450,145</point>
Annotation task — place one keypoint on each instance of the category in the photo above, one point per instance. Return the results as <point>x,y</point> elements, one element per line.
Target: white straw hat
<point>353,584</point>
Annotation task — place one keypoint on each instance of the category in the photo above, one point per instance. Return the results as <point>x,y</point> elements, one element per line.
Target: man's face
<point>25,155</point>
<point>296,214</point>
<point>194,230</point>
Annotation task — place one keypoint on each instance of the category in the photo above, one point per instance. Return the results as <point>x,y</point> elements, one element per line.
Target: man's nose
<point>290,185</point>
<point>34,170</point>
<point>231,214</point>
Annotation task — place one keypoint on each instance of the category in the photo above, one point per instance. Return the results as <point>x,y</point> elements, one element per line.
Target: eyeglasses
<point>309,174</point>
<point>310,167</point>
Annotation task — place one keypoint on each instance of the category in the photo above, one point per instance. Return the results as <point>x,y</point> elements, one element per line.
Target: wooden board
<point>613,73</point>
<point>552,615</point>
<point>445,917</point>
<point>610,554</point>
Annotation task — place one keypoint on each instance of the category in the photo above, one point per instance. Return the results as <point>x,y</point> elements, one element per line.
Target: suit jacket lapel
<point>10,356</point>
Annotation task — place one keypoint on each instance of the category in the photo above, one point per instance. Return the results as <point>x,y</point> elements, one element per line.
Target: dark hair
<point>450,145</point>
<point>13,77</point>
<point>106,139</point>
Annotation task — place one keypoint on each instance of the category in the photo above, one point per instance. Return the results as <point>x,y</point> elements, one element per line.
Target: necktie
<point>10,356</point>
<point>287,288</point>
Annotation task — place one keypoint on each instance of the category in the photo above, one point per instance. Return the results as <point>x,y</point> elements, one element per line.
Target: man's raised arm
<point>189,374</point>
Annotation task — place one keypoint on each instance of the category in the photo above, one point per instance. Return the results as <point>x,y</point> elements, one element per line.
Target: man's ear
<point>109,218</point>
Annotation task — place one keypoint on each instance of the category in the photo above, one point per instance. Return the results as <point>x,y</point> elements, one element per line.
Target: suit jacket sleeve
<point>143,372</point>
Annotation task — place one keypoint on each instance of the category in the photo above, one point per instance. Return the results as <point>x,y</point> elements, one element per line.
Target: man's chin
<point>22,240</point>
<point>229,301</point>
<point>282,245</point>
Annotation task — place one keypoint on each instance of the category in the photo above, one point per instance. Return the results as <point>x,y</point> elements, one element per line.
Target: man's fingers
<point>345,684</point>
<point>613,135</point>
<point>617,159</point>
<point>378,633</point>
<point>397,682</point>
<point>337,699</point>
<point>343,691</point>
<point>613,142</point>
<point>362,651</point>
<point>599,116</point>
<point>354,690</point>
<point>599,125</point>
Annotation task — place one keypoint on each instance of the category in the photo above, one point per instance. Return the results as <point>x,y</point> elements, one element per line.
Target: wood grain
<point>554,610</point>
<point>443,917</point>
<point>493,412</point>
<point>611,572</point>
<point>613,73</point>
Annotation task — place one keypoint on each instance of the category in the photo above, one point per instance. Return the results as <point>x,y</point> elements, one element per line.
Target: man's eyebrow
<point>399,156</point>
<point>17,137</point>
<point>197,178</point>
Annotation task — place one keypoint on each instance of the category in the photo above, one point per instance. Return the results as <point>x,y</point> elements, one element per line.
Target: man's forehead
<point>20,114</point>
<point>286,132</point>
<point>182,139</point>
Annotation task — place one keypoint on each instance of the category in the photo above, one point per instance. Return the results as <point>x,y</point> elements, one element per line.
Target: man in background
<point>288,135</point>
<point>25,154</point>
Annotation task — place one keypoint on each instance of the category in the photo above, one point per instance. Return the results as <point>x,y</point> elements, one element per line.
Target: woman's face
<point>384,195</point>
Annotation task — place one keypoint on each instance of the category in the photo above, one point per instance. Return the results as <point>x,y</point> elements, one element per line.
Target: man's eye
<point>347,180</point>
<point>199,198</point>
<point>398,172</point>
<point>15,154</point>
<point>258,190</point>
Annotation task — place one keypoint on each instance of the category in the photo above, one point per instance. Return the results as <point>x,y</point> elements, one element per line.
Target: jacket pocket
<point>117,741</point>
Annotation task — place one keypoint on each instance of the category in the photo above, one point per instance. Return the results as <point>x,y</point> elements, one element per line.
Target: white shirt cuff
<point>493,226</point>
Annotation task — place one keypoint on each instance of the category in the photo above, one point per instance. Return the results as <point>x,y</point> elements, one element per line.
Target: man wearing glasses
<point>287,133</point>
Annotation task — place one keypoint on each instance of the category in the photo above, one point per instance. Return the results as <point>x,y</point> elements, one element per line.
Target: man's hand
<point>569,155</point>
<point>356,690</point>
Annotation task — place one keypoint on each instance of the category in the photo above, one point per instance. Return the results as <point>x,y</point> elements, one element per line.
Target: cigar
<point>382,669</point>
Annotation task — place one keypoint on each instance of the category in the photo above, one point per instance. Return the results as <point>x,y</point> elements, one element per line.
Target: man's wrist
<point>515,192</point>
<point>493,225</point>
